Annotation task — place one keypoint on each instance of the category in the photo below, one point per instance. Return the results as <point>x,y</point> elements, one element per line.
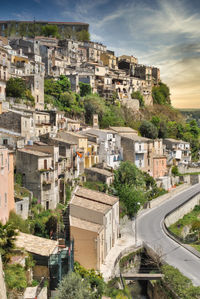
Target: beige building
<point>86,149</point>
<point>4,71</point>
<point>109,59</point>
<point>94,225</point>
<point>147,154</point>
<point>38,166</point>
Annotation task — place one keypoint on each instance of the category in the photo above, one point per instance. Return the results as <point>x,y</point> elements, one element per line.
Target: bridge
<point>141,276</point>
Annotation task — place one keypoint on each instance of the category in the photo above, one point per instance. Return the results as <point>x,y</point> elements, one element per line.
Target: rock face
<point>2,282</point>
<point>131,104</point>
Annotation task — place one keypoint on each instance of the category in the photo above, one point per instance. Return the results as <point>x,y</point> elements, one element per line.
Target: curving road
<point>149,230</point>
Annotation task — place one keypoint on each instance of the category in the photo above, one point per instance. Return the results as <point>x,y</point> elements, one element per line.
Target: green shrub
<point>15,277</point>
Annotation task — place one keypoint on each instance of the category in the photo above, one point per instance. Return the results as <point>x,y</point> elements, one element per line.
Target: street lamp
<point>138,203</point>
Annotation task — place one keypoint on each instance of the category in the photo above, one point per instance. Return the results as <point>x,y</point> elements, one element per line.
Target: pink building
<point>6,184</point>
<point>159,166</point>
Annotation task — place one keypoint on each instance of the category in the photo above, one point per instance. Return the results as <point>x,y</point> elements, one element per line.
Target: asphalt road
<point>149,230</point>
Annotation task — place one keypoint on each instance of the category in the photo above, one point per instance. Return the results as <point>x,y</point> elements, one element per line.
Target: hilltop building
<point>14,28</point>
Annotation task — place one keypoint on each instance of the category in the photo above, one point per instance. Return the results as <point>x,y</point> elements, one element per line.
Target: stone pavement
<point>125,244</point>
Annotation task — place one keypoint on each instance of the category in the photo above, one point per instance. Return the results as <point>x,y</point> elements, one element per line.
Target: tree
<point>72,286</point>
<point>15,87</point>
<point>64,83</point>
<point>175,171</point>
<point>161,94</point>
<point>94,279</point>
<point>93,104</point>
<point>148,130</point>
<point>50,30</point>
<point>137,95</point>
<point>127,175</point>
<point>85,89</point>
<point>7,240</point>
<point>132,198</point>
<point>83,35</point>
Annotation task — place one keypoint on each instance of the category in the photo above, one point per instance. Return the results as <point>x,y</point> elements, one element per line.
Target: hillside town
<point>48,159</point>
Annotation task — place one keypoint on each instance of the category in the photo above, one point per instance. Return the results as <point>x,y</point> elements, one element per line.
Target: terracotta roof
<point>36,245</point>
<point>77,222</point>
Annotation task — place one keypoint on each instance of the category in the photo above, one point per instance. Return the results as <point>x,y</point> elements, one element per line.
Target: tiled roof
<point>123,130</point>
<point>101,171</point>
<point>96,196</point>
<point>89,204</point>
<point>77,222</point>
<point>33,152</point>
<point>36,245</point>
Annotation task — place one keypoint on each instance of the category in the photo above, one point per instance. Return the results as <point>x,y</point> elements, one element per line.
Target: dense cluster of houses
<point>50,151</point>
<point>89,62</point>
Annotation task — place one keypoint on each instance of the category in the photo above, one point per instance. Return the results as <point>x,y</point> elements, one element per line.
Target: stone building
<point>38,166</point>
<point>147,154</point>
<point>4,71</point>
<point>145,73</point>
<point>177,150</point>
<point>109,142</point>
<point>95,174</point>
<point>15,28</point>
<point>7,203</point>
<point>94,225</point>
<point>19,122</point>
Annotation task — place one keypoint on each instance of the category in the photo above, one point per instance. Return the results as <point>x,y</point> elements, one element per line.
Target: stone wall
<point>131,104</point>
<point>155,202</point>
<point>2,282</point>
<point>182,210</point>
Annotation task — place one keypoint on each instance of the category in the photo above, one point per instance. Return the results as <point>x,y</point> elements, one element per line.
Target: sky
<point>162,33</point>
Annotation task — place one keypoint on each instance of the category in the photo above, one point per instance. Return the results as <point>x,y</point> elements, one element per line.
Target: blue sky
<point>163,33</point>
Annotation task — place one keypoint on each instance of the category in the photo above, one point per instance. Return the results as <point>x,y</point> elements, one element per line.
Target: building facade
<point>7,203</point>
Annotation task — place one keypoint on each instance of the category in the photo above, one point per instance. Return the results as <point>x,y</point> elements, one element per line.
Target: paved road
<point>149,230</point>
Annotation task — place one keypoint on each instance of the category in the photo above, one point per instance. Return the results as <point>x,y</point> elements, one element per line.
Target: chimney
<point>95,121</point>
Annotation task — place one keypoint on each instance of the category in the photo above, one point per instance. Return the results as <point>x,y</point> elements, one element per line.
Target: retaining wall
<point>155,202</point>
<point>184,209</point>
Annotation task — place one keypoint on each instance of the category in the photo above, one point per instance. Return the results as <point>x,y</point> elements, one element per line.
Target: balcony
<point>140,151</point>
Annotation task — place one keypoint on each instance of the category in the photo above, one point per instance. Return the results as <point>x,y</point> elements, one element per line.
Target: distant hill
<point>191,114</point>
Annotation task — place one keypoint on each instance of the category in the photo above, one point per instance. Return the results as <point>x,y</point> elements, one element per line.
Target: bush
<point>85,89</point>
<point>148,130</point>
<point>137,95</point>
<point>175,171</point>
<point>50,30</point>
<point>15,87</point>
<point>72,286</point>
<point>15,277</point>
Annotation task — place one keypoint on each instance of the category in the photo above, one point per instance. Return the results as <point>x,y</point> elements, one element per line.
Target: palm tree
<point>7,240</point>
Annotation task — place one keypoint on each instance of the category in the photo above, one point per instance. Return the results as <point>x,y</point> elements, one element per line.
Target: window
<point>5,200</point>
<point>148,162</point>
<point>47,205</point>
<point>21,207</point>
<point>5,141</point>
<point>45,164</point>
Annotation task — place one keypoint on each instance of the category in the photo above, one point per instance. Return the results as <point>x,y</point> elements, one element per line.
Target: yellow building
<point>109,59</point>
